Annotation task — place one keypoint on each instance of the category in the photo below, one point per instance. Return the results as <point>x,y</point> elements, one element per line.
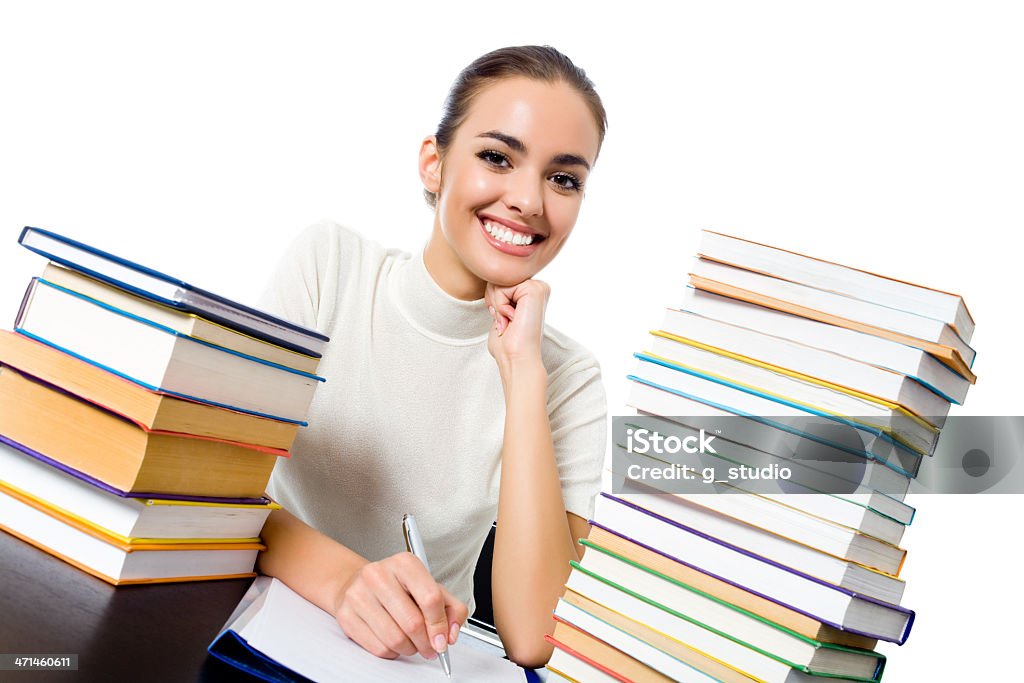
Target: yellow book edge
<point>563,675</point>
<point>182,314</point>
<point>125,543</point>
<point>799,376</point>
<point>881,428</point>
<point>858,532</point>
<point>745,522</point>
<point>826,520</point>
<point>946,354</point>
<point>196,503</point>
<point>742,491</point>
<point>583,602</point>
<point>111,580</point>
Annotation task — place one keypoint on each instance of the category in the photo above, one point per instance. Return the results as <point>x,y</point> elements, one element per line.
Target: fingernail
<point>439,643</point>
<point>491,309</point>
<point>453,634</point>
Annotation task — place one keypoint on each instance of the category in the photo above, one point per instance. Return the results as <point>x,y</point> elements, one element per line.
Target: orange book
<point>681,651</point>
<point>124,454</point>
<point>154,410</point>
<point>571,643</point>
<point>946,354</point>
<point>829,276</point>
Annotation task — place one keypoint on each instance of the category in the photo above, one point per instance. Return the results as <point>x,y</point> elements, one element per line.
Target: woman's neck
<point>448,270</point>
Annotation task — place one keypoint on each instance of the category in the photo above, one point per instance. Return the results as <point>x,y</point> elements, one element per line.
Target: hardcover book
<point>151,284</point>
<point>124,454</point>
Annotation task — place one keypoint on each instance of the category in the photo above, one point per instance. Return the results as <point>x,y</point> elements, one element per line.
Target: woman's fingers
<point>500,322</point>
<point>502,304</point>
<point>358,630</point>
<point>525,303</point>
<point>501,307</point>
<point>378,605</point>
<point>497,296</point>
<point>439,609</point>
<point>456,612</point>
<point>509,311</point>
<point>391,589</point>
<point>395,607</point>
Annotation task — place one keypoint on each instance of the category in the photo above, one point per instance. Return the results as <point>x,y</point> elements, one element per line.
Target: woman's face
<point>511,181</point>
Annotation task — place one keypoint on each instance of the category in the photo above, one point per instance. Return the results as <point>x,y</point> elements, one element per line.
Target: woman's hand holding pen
<point>518,313</point>
<point>395,607</point>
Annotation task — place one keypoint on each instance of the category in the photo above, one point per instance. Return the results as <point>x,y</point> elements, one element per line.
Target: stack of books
<point>800,398</point>
<point>141,417</point>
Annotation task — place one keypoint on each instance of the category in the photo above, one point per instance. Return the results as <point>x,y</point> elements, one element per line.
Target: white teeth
<point>500,232</point>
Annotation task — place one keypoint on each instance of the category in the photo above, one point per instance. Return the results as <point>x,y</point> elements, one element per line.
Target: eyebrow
<point>517,145</point>
<point>571,160</point>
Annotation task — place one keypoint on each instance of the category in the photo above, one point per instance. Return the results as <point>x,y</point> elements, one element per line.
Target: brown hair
<point>539,62</point>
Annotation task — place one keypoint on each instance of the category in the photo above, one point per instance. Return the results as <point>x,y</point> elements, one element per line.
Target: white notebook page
<point>299,635</point>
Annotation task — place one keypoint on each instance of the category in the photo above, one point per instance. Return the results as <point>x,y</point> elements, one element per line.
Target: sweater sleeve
<point>305,286</point>
<point>577,410</point>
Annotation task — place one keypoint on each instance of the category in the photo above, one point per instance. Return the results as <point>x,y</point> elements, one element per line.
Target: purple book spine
<point>899,641</point>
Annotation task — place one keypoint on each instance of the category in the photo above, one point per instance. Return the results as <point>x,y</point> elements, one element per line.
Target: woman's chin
<point>506,277</point>
<point>508,282</point>
<point>500,274</point>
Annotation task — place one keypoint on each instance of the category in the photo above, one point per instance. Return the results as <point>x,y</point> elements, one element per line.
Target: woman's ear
<point>430,165</point>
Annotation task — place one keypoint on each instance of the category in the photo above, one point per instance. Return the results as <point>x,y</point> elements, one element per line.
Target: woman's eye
<point>567,181</point>
<point>494,158</point>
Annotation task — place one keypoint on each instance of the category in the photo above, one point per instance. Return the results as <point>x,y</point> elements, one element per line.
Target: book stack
<point>805,395</point>
<point>140,418</point>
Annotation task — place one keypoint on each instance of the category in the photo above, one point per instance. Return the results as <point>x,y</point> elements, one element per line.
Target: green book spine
<point>800,667</point>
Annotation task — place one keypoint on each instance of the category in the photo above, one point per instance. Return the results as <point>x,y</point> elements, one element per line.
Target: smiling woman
<point>513,171</point>
<point>447,395</point>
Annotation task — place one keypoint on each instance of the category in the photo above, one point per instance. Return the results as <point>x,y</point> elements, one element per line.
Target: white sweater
<point>412,413</point>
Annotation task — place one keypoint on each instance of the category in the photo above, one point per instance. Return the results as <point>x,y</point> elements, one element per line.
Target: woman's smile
<point>509,237</point>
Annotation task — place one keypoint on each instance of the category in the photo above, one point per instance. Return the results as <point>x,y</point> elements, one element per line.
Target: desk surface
<point>133,633</point>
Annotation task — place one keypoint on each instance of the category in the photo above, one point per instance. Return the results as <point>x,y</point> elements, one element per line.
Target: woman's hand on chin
<point>518,313</point>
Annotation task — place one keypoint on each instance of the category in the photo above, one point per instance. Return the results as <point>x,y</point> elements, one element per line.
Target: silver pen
<point>414,544</point>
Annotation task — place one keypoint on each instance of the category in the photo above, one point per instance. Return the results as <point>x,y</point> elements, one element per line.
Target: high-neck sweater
<point>411,417</point>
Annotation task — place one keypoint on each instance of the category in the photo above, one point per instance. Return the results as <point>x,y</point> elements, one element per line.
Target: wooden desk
<point>132,633</point>
<point>149,633</point>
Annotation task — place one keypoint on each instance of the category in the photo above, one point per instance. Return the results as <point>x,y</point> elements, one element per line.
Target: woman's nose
<point>524,195</point>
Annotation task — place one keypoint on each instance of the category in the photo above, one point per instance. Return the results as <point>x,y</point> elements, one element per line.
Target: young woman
<point>447,396</point>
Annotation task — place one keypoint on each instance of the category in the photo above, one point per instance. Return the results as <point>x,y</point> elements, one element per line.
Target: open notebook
<point>277,635</point>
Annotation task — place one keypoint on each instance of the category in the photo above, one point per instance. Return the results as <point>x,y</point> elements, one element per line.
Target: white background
<point>200,138</point>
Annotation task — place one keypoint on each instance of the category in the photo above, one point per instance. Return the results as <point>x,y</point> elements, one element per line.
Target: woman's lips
<point>499,233</point>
